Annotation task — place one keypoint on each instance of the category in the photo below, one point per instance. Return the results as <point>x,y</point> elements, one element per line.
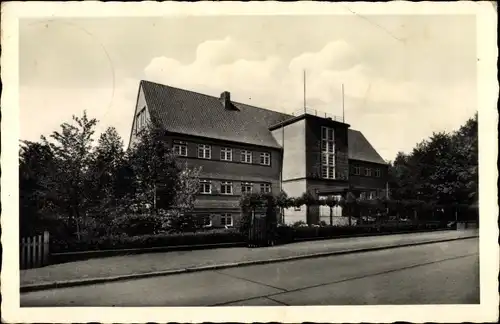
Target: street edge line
<point>91,281</point>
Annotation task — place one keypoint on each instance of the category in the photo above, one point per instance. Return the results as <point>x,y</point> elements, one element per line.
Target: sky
<point>405,76</point>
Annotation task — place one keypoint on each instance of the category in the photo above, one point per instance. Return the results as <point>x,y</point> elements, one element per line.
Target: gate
<point>262,230</point>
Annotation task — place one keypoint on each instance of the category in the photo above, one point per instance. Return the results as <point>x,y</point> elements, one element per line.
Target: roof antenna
<point>343,109</point>
<point>304,91</point>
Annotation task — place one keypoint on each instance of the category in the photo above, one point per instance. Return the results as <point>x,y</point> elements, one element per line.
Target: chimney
<point>225,98</point>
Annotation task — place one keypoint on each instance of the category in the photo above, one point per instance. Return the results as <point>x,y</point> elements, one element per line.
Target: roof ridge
<point>210,96</point>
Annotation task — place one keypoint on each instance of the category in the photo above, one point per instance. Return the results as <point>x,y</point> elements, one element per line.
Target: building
<point>242,148</point>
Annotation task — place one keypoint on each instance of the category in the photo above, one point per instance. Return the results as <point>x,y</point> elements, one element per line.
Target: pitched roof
<point>191,113</point>
<point>361,149</point>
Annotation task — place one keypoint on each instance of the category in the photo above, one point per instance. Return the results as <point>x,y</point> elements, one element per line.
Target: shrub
<point>147,241</point>
<point>137,224</point>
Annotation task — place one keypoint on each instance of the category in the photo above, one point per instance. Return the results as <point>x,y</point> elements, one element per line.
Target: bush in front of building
<point>118,242</point>
<point>288,234</point>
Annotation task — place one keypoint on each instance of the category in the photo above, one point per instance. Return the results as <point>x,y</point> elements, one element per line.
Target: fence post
<point>45,258</point>
<point>28,254</point>
<point>39,258</point>
<point>22,253</point>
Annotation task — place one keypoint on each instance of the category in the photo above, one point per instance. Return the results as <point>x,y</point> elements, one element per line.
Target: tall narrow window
<point>327,153</point>
<point>265,187</point>
<point>377,173</point>
<point>357,170</point>
<point>265,158</point>
<point>368,172</point>
<point>226,220</point>
<point>246,156</point>
<point>205,187</point>
<point>204,151</point>
<point>226,154</point>
<point>246,188</point>
<point>226,188</point>
<point>180,148</point>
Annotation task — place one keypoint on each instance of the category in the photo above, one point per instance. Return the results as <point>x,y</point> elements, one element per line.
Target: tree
<point>112,179</point>
<point>35,163</point>
<point>439,170</point>
<point>69,183</point>
<point>155,170</point>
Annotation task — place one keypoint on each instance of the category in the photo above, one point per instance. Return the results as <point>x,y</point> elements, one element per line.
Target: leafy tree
<point>155,169</point>
<point>68,184</point>
<point>35,163</point>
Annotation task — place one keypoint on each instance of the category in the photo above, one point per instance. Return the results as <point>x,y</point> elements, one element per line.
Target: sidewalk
<point>168,261</point>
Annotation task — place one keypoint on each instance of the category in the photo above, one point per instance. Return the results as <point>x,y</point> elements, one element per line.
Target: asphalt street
<point>439,273</point>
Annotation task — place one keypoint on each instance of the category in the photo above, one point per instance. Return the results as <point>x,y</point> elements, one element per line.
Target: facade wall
<point>295,188</point>
<point>292,138</point>
<point>141,104</point>
<point>313,147</point>
<point>216,171</point>
<point>363,182</point>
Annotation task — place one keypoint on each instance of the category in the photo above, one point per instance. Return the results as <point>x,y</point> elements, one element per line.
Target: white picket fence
<point>34,251</point>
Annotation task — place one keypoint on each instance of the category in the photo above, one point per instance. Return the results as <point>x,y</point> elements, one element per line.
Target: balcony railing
<point>318,113</point>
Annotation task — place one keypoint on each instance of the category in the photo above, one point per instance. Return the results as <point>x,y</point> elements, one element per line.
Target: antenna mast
<point>343,109</point>
<point>304,91</point>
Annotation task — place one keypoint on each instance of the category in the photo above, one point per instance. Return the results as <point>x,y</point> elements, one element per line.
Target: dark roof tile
<point>191,113</point>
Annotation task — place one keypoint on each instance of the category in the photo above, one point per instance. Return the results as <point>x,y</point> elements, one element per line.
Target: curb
<point>91,281</point>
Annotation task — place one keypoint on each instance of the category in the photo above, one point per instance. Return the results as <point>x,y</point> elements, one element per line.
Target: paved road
<point>440,273</point>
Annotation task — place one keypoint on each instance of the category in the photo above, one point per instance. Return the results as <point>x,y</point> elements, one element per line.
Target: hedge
<point>147,241</point>
<point>288,234</point>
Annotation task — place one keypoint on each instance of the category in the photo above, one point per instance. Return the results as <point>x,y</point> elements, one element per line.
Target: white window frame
<point>264,187</point>
<point>178,148</point>
<point>226,216</point>
<point>265,158</point>
<point>226,184</point>
<point>226,154</point>
<point>368,172</point>
<point>327,153</point>
<point>246,184</point>
<point>205,150</point>
<point>206,217</point>
<point>357,170</point>
<point>202,184</point>
<point>246,156</point>
<point>377,173</point>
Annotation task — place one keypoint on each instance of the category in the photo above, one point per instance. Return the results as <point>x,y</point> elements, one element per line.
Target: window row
<point>226,154</point>
<point>368,195</point>
<point>226,187</point>
<point>225,219</point>
<point>368,172</point>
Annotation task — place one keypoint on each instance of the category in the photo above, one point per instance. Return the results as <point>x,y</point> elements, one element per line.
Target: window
<point>265,158</point>
<point>246,156</point>
<point>180,148</point>
<point>205,220</point>
<point>327,153</point>
<point>140,120</point>
<point>226,188</point>
<point>205,187</point>
<point>246,187</point>
<point>368,172</point>
<point>226,220</point>
<point>226,154</point>
<point>356,170</point>
<point>204,151</point>
<point>265,187</point>
<point>377,173</point>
